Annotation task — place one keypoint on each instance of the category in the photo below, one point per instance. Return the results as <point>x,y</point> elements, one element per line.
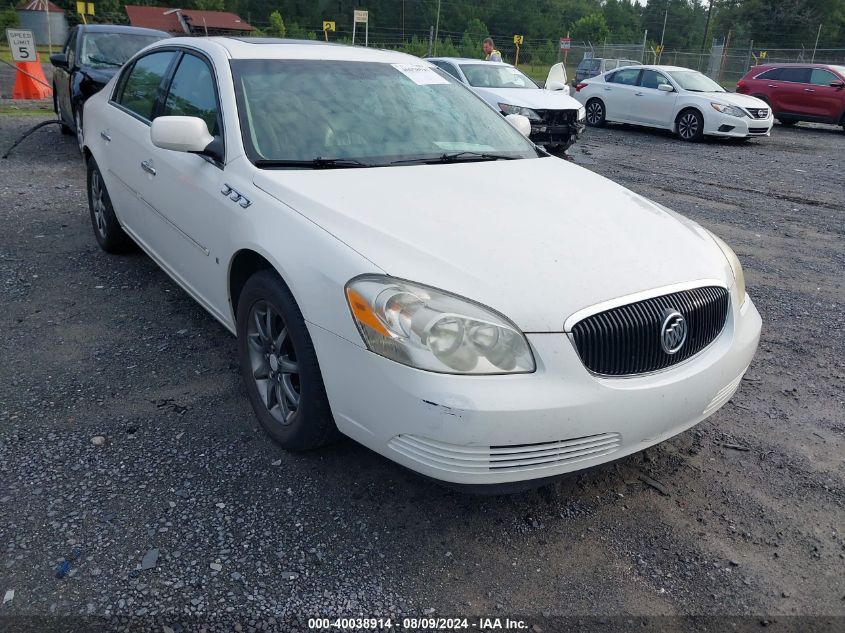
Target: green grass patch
<point>33,112</point>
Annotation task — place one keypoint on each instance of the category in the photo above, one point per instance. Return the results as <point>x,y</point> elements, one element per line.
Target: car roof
<point>466,60</point>
<point>792,65</point>
<point>275,48</point>
<point>120,28</point>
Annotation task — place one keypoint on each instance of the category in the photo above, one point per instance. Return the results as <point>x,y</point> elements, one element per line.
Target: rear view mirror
<point>59,60</point>
<point>665,88</point>
<point>180,133</point>
<point>555,85</point>
<point>521,123</point>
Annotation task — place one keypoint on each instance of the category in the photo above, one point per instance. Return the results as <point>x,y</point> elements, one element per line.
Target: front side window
<point>70,48</point>
<point>694,81</point>
<point>111,50</point>
<point>626,77</point>
<point>795,75</point>
<point>375,113</point>
<point>192,93</point>
<point>821,77</point>
<point>494,76</point>
<point>141,87</point>
<point>653,79</point>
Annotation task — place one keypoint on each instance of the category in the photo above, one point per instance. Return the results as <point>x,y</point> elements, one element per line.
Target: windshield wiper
<point>454,157</point>
<point>97,60</point>
<point>314,163</point>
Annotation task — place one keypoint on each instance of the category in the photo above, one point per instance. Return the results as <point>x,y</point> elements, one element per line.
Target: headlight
<point>728,109</point>
<point>582,113</point>
<point>736,267</point>
<point>526,112</point>
<point>433,330</point>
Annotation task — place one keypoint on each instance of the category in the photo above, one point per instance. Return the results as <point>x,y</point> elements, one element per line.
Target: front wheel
<point>595,113</point>
<point>279,366</point>
<point>787,122</point>
<point>690,126</point>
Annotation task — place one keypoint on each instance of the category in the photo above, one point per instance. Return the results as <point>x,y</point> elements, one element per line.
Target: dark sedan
<point>91,56</point>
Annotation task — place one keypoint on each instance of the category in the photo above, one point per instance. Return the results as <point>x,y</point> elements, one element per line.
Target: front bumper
<point>478,430</point>
<point>738,127</point>
<point>547,134</point>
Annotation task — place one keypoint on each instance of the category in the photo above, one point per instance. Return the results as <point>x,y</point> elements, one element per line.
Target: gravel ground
<point>128,448</point>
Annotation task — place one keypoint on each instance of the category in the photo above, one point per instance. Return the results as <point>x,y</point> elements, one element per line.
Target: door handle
<point>607,88</point>
<point>809,89</point>
<point>147,166</point>
<point>105,136</point>
<point>638,94</point>
<point>772,86</point>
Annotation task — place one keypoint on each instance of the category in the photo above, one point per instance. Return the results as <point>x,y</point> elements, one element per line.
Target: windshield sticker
<point>420,74</point>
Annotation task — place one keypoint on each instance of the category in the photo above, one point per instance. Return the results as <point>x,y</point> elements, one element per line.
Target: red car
<point>799,92</point>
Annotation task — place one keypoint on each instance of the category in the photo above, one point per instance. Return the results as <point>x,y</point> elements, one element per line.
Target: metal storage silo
<point>47,21</point>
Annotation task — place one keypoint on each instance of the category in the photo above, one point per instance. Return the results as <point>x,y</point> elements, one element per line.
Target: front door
<point>62,79</point>
<point>650,105</point>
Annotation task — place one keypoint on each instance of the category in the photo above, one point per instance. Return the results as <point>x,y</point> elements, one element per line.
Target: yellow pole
<point>516,61</point>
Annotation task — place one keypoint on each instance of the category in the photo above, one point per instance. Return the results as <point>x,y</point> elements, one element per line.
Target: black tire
<point>110,236</point>
<point>787,122</point>
<point>558,150</point>
<point>266,306</point>
<point>596,113</point>
<point>690,126</point>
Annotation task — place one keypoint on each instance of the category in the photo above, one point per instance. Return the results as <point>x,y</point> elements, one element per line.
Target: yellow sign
<point>517,39</point>
<point>659,48</point>
<point>83,8</point>
<point>328,25</point>
<point>763,54</point>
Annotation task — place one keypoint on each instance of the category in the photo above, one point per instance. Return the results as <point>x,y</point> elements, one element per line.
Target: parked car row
<point>388,252</point>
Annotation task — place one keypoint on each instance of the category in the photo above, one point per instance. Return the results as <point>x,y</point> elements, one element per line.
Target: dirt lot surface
<point>747,517</point>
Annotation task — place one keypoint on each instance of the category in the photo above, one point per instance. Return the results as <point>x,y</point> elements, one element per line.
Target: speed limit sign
<point>22,44</point>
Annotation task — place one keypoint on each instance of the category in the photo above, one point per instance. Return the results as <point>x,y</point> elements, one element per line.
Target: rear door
<point>789,95</point>
<point>125,128</point>
<point>617,93</point>
<point>650,105</point>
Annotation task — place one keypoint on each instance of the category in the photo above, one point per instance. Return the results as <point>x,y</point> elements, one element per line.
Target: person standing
<point>489,48</point>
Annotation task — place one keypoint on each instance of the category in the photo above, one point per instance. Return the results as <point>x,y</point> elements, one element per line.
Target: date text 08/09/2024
<point>417,624</point>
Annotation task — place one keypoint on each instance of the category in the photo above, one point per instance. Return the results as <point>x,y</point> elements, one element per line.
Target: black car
<point>91,56</point>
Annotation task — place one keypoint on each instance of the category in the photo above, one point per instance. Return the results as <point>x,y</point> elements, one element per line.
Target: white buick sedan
<point>678,99</point>
<point>395,266</point>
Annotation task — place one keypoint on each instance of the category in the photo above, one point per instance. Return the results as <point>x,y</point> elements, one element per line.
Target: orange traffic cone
<point>30,82</point>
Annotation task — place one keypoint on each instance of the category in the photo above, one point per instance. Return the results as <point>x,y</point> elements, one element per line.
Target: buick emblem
<point>673,331</point>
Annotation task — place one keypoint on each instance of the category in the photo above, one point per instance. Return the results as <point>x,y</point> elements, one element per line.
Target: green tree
<point>590,28</point>
<point>210,5</point>
<point>277,25</point>
<point>8,20</point>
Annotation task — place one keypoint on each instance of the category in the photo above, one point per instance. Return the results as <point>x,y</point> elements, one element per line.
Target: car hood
<point>535,239</point>
<point>529,98</point>
<point>736,99</point>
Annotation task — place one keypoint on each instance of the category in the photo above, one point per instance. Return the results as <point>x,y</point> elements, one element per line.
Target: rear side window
<point>192,93</point>
<point>627,76</point>
<point>141,86</point>
<point>821,77</point>
<point>771,74</point>
<point>610,64</point>
<point>795,75</point>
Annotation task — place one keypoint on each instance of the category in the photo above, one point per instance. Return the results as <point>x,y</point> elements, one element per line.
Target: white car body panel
<point>494,232</point>
<point>654,108</point>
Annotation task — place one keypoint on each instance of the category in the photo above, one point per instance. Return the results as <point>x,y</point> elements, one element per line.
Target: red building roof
<point>39,5</point>
<point>166,19</point>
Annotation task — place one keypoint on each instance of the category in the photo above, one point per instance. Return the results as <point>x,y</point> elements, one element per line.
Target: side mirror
<point>665,88</point>
<point>521,123</point>
<point>555,85</point>
<point>180,133</point>
<point>837,84</point>
<point>59,60</point>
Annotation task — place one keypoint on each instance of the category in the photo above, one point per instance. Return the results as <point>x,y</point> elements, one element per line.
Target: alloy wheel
<point>99,203</point>
<point>275,368</point>
<point>688,126</point>
<point>595,112</point>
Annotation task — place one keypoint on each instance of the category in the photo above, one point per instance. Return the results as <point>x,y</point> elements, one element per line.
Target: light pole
<point>437,27</point>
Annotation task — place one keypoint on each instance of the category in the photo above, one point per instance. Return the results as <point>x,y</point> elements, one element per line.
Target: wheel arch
<point>686,108</point>
<point>243,265</point>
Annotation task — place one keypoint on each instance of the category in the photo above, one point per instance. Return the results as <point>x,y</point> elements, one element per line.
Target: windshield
<point>694,81</point>
<point>111,50</point>
<point>375,113</point>
<point>494,76</point>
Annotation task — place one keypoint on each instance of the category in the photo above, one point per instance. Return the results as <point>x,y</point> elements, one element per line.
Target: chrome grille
<point>758,113</point>
<point>627,340</point>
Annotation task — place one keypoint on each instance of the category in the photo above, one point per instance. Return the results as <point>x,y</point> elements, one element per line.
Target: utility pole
<point>707,26</point>
<point>645,38</point>
<point>437,27</point>
<point>663,34</point>
<point>818,34</point>
<point>430,40</point>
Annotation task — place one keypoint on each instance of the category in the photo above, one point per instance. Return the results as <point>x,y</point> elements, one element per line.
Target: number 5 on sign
<point>22,44</point>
